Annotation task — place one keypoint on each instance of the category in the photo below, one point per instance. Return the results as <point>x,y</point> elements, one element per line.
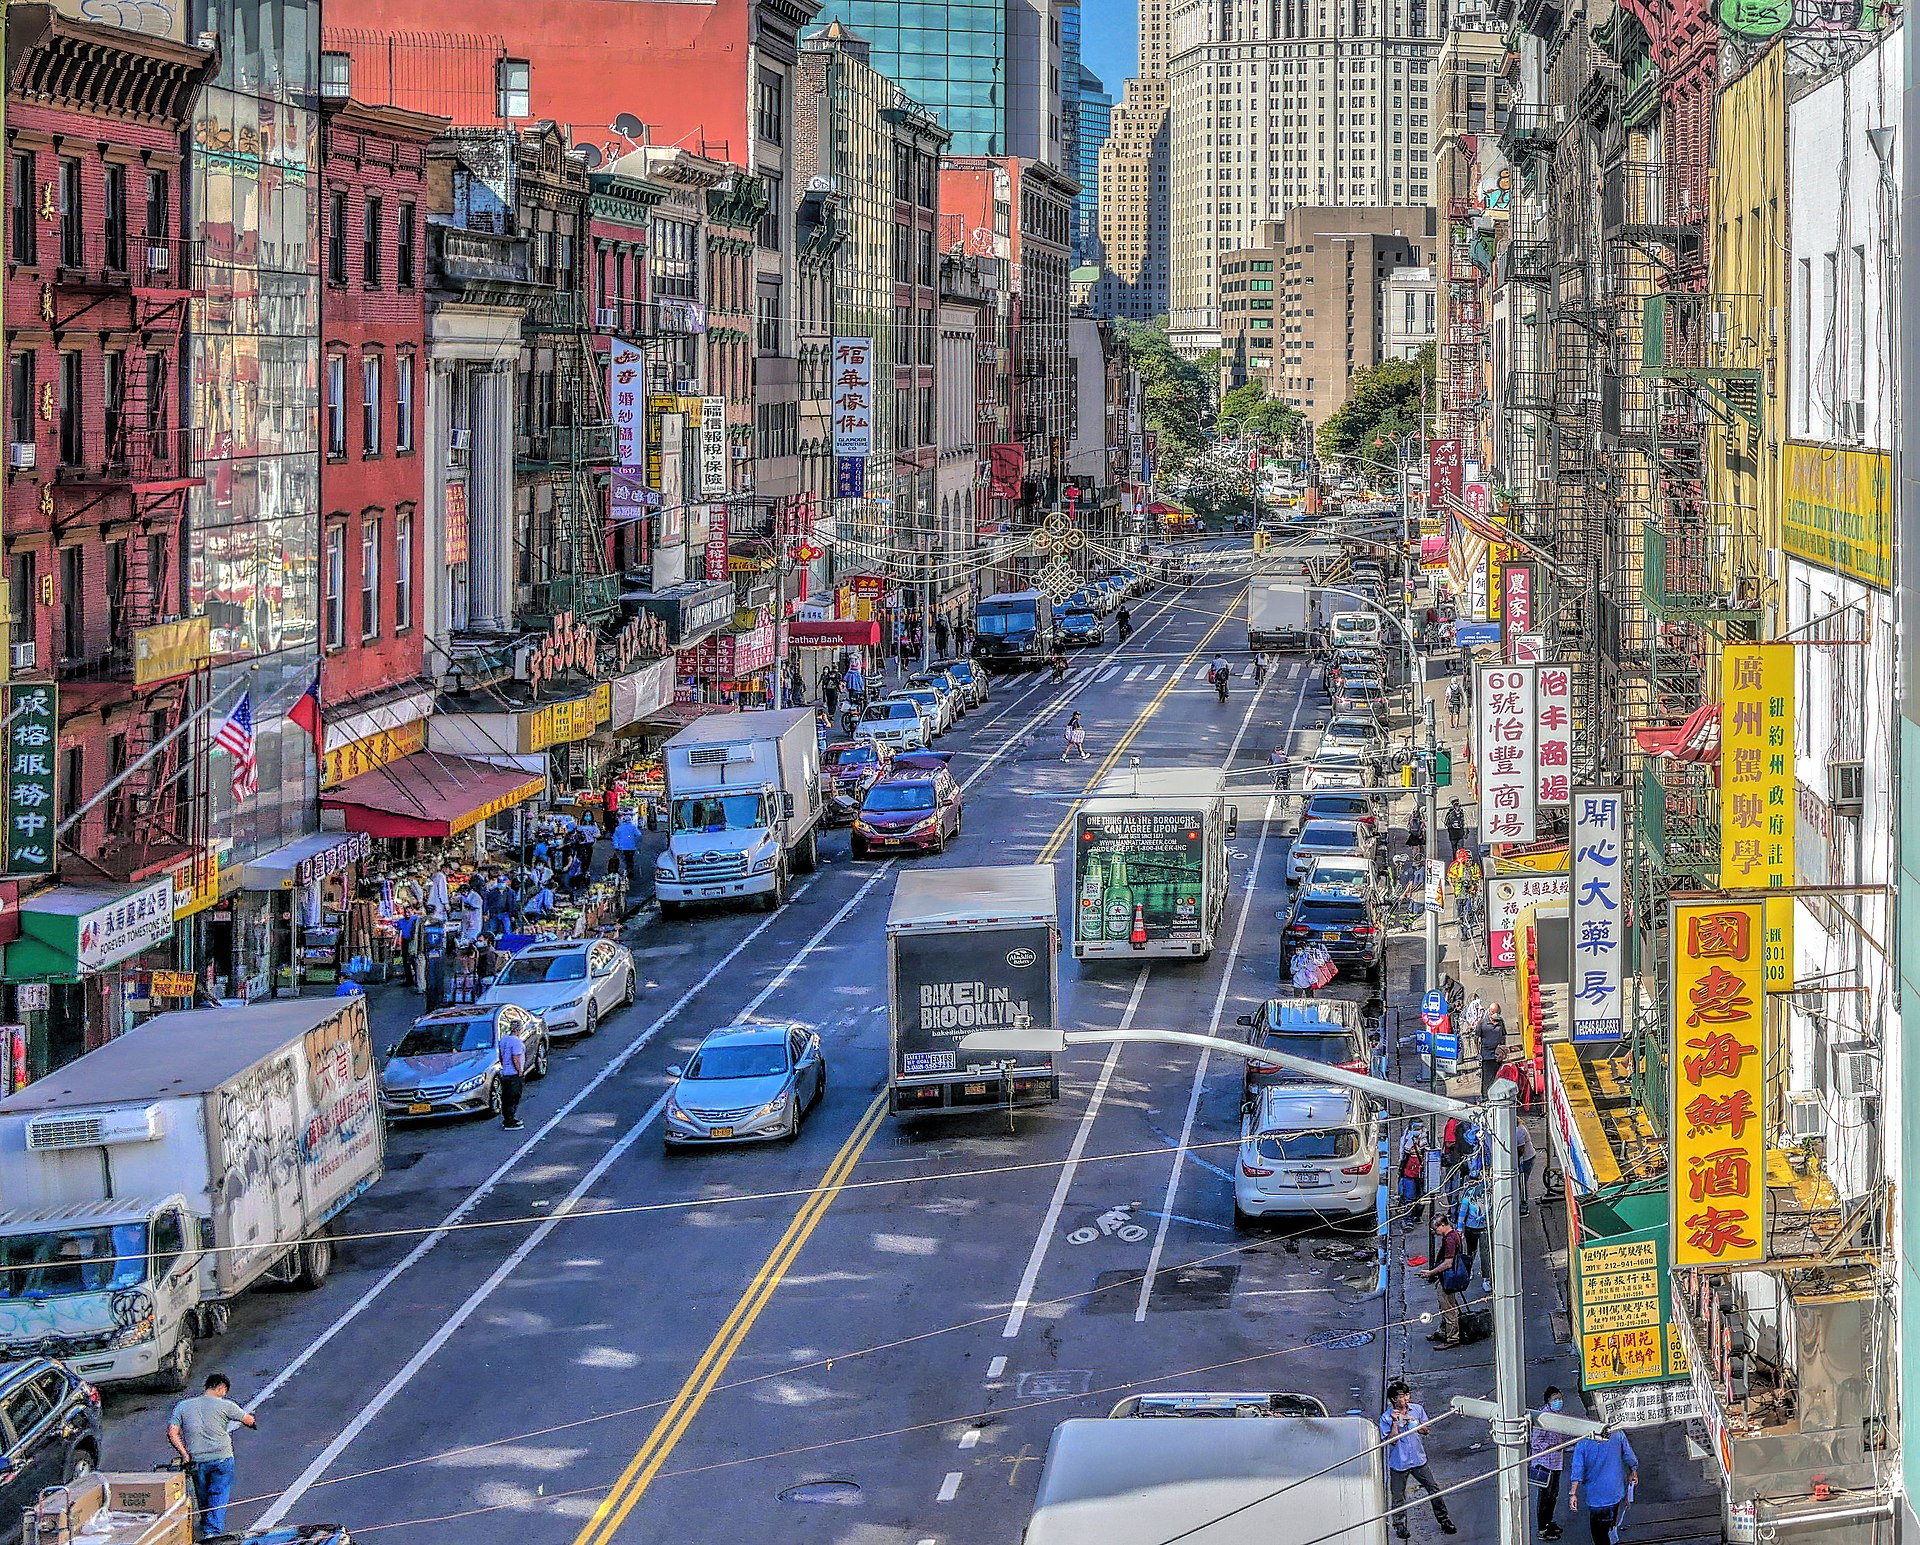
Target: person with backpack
<point>1456,701</point>
<point>1456,819</point>
<point>1413,1177</point>
<point>1449,1273</point>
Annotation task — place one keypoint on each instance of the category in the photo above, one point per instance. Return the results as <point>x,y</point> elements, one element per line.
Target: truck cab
<point>1016,628</point>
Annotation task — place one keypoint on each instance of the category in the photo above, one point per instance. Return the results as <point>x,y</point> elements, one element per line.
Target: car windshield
<point>852,756</point>
<point>894,798</point>
<point>1292,1147</point>
<point>1338,807</point>
<point>1328,837</point>
<point>1077,620</point>
<point>1350,729</point>
<point>437,1037</point>
<point>931,683</point>
<point>1329,1046</point>
<point>530,970</point>
<point>718,813</point>
<point>1331,912</point>
<point>746,1059</point>
<point>1008,621</point>
<point>893,710</point>
<point>82,1260</point>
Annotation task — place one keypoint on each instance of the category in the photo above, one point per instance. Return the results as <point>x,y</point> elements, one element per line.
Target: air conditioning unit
<point>821,185</point>
<point>1806,1117</point>
<point>460,439</point>
<point>606,317</point>
<point>20,456</point>
<point>1856,1070</point>
<point>1850,423</point>
<point>95,1128</point>
<point>23,655</point>
<point>1847,787</point>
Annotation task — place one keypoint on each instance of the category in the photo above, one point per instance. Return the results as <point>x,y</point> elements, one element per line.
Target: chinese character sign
<point>717,543</point>
<point>1757,788</point>
<point>1516,598</point>
<point>851,381</point>
<point>32,720</point>
<point>1597,952</point>
<point>1553,750</point>
<point>1719,1083</point>
<point>713,446</point>
<point>1444,469</point>
<point>626,400</point>
<point>1504,703</point>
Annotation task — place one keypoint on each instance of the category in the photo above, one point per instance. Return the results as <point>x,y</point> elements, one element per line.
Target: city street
<point>567,1334</point>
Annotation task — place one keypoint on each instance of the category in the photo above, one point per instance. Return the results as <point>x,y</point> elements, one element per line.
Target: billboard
<point>1757,788</point>
<point>1145,868</point>
<point>1553,742</point>
<point>1505,711</point>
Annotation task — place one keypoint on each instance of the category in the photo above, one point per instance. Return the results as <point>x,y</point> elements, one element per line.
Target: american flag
<point>235,736</point>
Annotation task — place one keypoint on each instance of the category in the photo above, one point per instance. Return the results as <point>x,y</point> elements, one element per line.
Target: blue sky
<point>1110,40</point>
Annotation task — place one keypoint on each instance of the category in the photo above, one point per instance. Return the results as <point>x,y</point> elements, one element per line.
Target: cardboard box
<point>156,1491</point>
<point>147,1508</point>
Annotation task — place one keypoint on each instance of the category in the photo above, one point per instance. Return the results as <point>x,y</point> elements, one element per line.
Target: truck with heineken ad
<point>1150,864</point>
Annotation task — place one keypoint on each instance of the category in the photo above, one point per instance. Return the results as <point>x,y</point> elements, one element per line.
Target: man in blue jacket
<point>1608,1469</point>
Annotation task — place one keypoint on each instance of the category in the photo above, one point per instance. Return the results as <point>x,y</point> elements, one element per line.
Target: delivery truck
<point>743,793</point>
<point>970,949</point>
<point>1150,864</point>
<point>152,1181</point>
<point>1280,613</point>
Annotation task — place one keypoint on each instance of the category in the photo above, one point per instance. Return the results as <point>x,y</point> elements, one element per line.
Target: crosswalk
<point>1098,673</point>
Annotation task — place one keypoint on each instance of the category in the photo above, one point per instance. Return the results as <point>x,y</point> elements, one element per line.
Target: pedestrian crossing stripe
<point>1135,672</point>
<point>1155,673</point>
<point>1109,673</point>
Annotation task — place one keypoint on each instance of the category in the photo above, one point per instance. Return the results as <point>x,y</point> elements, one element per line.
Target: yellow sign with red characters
<point>1756,789</point>
<point>1719,1083</point>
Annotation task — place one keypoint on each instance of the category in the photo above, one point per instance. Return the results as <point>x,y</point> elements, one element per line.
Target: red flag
<point>306,713</point>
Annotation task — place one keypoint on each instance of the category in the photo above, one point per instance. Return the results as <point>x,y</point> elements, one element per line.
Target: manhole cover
<point>1340,1338</point>
<point>831,1491</point>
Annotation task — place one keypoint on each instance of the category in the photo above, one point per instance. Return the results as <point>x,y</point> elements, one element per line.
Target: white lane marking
<point>1016,1317</point>
<point>997,1367</point>
<point>1203,673</point>
<point>950,1487</point>
<point>1109,673</point>
<point>1135,672</point>
<point>970,1437</point>
<point>1156,672</point>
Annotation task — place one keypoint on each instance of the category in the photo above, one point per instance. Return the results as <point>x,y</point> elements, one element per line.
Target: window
<point>402,573</point>
<point>403,244</point>
<point>116,590</point>
<point>73,440</point>
<point>157,201</point>
<point>403,402</point>
<point>336,405</point>
<point>336,237</point>
<point>21,600</point>
<point>516,88</point>
<point>73,603</point>
<point>333,601</point>
<point>370,579</point>
<point>72,213</point>
<point>20,395</point>
<point>770,107</point>
<point>770,221</point>
<point>114,217</point>
<point>370,405</point>
<point>113,396</point>
<point>25,229</point>
<point>767,327</point>
<point>370,236</point>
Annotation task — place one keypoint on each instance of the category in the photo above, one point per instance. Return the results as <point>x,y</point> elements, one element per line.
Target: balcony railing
<point>579,593</point>
<point>481,257</point>
<point>569,445</point>
<point>116,260</point>
<point>1701,571</point>
<point>1528,129</point>
<point>136,456</point>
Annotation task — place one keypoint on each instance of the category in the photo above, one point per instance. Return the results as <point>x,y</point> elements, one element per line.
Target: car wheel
<point>940,841</point>
<point>1242,1220</point>
<point>820,1084</point>
<point>807,855</point>
<point>82,1461</point>
<point>316,1263</point>
<point>590,1025</point>
<point>632,993</point>
<point>492,1111</point>
<point>176,1373</point>
<point>793,1125</point>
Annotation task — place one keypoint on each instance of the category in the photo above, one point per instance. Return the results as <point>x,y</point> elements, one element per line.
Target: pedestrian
<point>942,636</point>
<point>1525,1153</point>
<point>1473,1229</point>
<point>486,960</point>
<point>1456,827</point>
<point>473,910</point>
<point>830,694</point>
<point>1493,1048</point>
<point>1076,738</point>
<point>1413,1174</point>
<point>201,1432</point>
<point>1546,1461</point>
<point>1404,1425</point>
<point>1609,1469</point>
<point>439,898</point>
<point>626,848</point>
<point>1449,1273</point>
<point>513,1075</point>
<point>1456,1147</point>
<point>1456,700</point>
<point>1416,833</point>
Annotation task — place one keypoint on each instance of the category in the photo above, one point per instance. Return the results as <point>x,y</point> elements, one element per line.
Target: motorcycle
<point>1220,684</point>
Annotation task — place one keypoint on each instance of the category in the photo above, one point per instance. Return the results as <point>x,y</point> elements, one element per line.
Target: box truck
<point>743,792</point>
<point>1280,613</point>
<point>970,949</point>
<point>1150,864</point>
<point>153,1180</point>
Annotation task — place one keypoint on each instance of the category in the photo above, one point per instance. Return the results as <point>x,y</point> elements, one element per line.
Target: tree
<point>1383,401</point>
<point>1176,393</point>
<point>1248,410</point>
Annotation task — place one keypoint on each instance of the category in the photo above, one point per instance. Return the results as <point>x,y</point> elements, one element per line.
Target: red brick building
<point>373,317</point>
<point>97,290</point>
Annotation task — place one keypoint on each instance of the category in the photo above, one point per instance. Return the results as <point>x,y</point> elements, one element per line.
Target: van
<point>1351,628</point>
<point>1305,1149</point>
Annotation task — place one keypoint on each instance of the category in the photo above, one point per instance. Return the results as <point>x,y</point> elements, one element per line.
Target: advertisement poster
<point>1622,1311</point>
<point>1598,915</point>
<point>1719,1083</point>
<point>1007,469</point>
<point>1506,900</point>
<point>1757,788</point>
<point>713,446</point>
<point>1553,751</point>
<point>852,397</point>
<point>1504,706</point>
<point>949,985</point>
<point>1141,869</point>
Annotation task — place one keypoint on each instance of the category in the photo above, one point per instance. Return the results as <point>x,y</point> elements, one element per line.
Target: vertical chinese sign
<point>713,447</point>
<point>717,543</point>
<point>626,400</point>
<point>1504,703</point>
<point>1445,467</point>
<point>31,718</point>
<point>1516,603</point>
<point>852,386</point>
<point>1553,755</point>
<point>1597,916</point>
<point>1719,1083</point>
<point>1757,789</point>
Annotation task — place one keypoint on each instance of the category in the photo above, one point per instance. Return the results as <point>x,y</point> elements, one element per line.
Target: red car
<point>848,768</point>
<point>914,804</point>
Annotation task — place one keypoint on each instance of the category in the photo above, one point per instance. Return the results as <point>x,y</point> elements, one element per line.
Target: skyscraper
<point>1132,179</point>
<point>1093,122</point>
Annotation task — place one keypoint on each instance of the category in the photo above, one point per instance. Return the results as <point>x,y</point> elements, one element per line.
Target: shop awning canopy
<point>429,795</point>
<point>1697,739</point>
<point>848,632</point>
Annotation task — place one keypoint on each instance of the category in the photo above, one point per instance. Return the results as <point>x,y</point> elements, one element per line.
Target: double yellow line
<point>707,1373</point>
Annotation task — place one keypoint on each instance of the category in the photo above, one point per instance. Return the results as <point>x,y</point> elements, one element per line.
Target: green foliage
<point>1248,410</point>
<point>1384,402</point>
<point>1177,393</point>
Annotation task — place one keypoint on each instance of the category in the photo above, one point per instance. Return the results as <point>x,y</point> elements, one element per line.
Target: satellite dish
<point>593,155</point>
<point>628,126</point>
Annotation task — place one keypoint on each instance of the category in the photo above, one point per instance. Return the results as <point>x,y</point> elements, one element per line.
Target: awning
<point>677,716</point>
<point>303,859</point>
<point>827,631</point>
<point>430,795</point>
<point>1696,739</point>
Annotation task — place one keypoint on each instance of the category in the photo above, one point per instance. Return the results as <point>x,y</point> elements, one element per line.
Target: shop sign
<point>719,562</point>
<point>626,398</point>
<point>169,649</point>
<point>1838,510</point>
<point>1570,1114</point>
<point>850,477</point>
<point>200,881</point>
<point>1506,900</point>
<point>869,587</point>
<point>1504,703</point>
<point>689,610</point>
<point>553,724</point>
<point>170,984</point>
<point>713,445</point>
<point>1553,752</point>
<point>1444,469</point>
<point>494,806</point>
<point>568,645</point>
<point>376,750</point>
<point>1756,789</point>
<point>1719,1083</point>
<point>1623,1314</point>
<point>110,932</point>
<point>753,651</point>
<point>643,637</point>
<point>352,848</point>
<point>13,1058</point>
<point>1516,597</point>
<point>1529,648</point>
<point>33,997</point>
<point>31,718</point>
<point>1597,915</point>
<point>853,397</point>
<point>456,539</point>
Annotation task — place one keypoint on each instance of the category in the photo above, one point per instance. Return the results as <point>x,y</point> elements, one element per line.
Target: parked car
<point>1340,805</point>
<point>970,674</point>
<point>846,768</point>
<point>448,1063</point>
<point>1360,694</point>
<point>899,723</point>
<point>1343,869</point>
<point>1358,732</point>
<point>953,699</point>
<point>1300,1028</point>
<point>746,1083</point>
<point>1080,630</point>
<point>49,1433</point>
<point>1323,836</point>
<point>1337,770</point>
<point>1344,918</point>
<point>572,984</point>
<point>939,706</point>
<point>916,804</point>
<point>1307,1150</point>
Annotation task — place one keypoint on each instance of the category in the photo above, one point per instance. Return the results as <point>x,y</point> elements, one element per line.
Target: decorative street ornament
<point>1058,580</point>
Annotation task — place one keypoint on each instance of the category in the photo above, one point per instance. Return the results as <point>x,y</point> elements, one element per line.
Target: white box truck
<point>743,793</point>
<point>1150,864</point>
<point>1280,613</point>
<point>159,1176</point>
<point>970,949</point>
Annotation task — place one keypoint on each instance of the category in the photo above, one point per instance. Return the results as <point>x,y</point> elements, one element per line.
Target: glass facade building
<point>1093,117</point>
<point>949,55</point>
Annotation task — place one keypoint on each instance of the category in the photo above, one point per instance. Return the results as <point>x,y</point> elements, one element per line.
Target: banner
<point>1597,918</point>
<point>1007,466</point>
<point>1757,788</point>
<point>713,446</point>
<point>626,399</point>
<point>32,717</point>
<point>1504,708</point>
<point>853,396</point>
<point>717,542</point>
<point>1553,756</point>
<point>1516,598</point>
<point>1719,1083</point>
<point>455,544</point>
<point>1445,467</point>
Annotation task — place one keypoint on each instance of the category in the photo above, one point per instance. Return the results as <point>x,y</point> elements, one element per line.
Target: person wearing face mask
<point>1546,1461</point>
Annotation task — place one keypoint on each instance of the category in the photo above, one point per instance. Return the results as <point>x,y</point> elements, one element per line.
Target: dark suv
<point>49,1434</point>
<point>1345,920</point>
<point>1324,1030</point>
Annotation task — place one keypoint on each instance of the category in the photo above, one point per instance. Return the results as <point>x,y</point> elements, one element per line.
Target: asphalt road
<point>568,1337</point>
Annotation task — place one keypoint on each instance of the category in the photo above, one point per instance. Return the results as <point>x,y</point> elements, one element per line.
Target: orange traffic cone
<point>1139,937</point>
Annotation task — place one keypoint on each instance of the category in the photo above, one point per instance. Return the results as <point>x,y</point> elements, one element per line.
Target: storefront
<point>284,926</point>
<point>79,951</point>
<point>554,740</point>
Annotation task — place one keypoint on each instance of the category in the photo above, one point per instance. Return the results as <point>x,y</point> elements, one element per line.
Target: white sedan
<point>572,984</point>
<point>898,722</point>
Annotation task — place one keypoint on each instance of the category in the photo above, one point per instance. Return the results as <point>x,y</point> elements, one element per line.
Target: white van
<point>1354,628</point>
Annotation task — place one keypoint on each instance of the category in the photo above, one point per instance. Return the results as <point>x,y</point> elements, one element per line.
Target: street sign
<point>1446,1047</point>
<point>1434,1005</point>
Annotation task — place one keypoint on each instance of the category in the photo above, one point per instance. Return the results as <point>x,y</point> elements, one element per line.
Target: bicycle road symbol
<point>1116,1222</point>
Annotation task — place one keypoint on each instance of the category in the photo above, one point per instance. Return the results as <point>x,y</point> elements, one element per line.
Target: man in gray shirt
<point>201,1432</point>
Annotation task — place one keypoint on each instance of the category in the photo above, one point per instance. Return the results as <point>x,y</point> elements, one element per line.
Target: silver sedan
<point>746,1083</point>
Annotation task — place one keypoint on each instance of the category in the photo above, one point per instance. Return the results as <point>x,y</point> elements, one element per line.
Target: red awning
<point>429,795</point>
<point>826,631</point>
<point>1433,549</point>
<point>1697,739</point>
